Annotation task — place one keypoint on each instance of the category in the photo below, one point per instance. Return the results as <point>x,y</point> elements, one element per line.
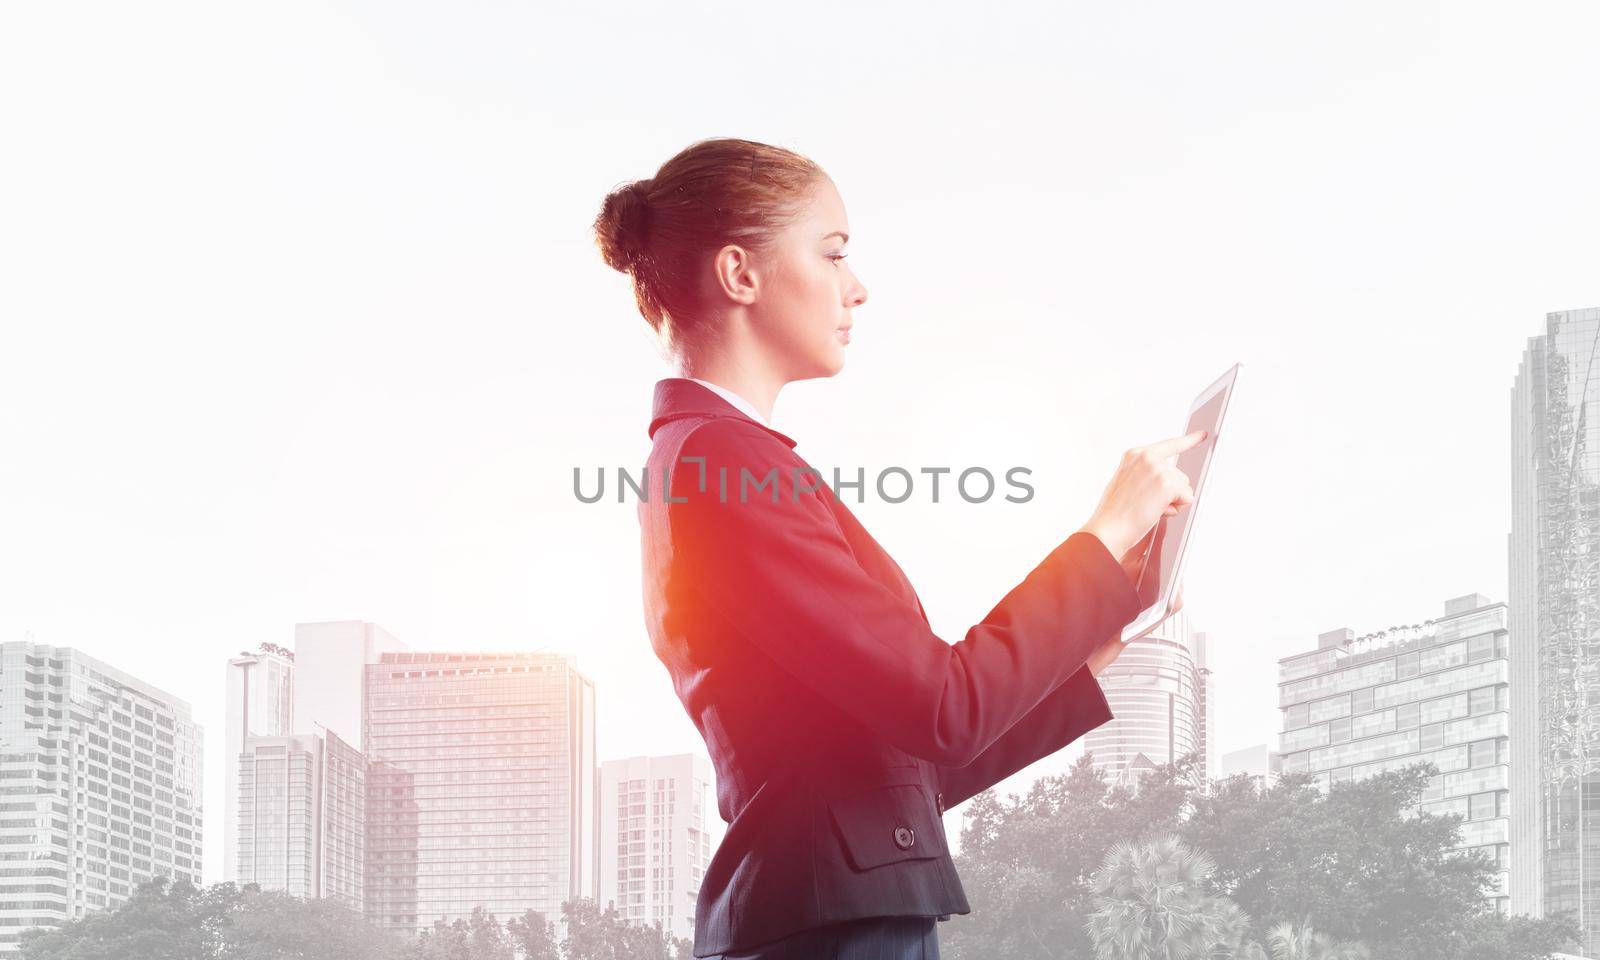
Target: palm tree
<point>1153,903</point>
<point>1285,941</point>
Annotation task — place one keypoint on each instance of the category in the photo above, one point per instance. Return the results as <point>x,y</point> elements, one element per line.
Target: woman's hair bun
<point>661,230</point>
<point>623,225</point>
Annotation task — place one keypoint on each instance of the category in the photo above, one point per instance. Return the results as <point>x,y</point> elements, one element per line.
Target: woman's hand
<point>1145,488</point>
<point>1132,562</point>
<point>1103,656</point>
<point>1108,651</point>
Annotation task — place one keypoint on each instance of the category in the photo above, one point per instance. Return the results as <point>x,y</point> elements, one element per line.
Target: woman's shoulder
<point>730,439</point>
<point>712,461</point>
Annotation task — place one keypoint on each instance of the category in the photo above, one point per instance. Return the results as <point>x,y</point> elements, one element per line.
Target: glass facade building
<point>302,816</point>
<point>1554,555</point>
<point>654,841</point>
<point>99,787</point>
<point>1159,691</point>
<point>1438,691</point>
<point>260,704</point>
<point>481,786</point>
<point>331,660</point>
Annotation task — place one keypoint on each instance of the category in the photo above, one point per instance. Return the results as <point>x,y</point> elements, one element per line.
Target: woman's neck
<point>760,391</point>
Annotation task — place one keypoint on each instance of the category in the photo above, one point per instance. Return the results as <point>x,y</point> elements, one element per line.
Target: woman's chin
<point>824,365</point>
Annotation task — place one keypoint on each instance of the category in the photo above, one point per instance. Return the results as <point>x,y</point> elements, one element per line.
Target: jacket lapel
<point>679,397</point>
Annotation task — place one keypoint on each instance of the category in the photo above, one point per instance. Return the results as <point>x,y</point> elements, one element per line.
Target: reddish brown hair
<point>713,193</point>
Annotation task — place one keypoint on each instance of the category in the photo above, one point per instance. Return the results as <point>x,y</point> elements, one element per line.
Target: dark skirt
<point>872,938</point>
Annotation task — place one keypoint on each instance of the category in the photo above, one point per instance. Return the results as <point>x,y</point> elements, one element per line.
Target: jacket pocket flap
<point>886,824</point>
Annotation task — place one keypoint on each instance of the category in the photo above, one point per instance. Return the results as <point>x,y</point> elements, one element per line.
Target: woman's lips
<point>843,333</point>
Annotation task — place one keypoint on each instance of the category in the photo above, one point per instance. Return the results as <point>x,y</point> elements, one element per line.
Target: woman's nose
<point>858,296</point>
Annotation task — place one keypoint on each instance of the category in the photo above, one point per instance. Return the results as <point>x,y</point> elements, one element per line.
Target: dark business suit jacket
<point>839,725</point>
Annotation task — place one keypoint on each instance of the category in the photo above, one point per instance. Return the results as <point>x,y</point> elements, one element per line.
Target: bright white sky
<point>302,319</point>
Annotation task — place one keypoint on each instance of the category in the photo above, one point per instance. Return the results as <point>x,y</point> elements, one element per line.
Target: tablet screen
<point>1162,554</point>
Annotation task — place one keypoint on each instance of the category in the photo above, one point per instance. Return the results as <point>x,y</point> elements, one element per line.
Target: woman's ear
<point>735,272</point>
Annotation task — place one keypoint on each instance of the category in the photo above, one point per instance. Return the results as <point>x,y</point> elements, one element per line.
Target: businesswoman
<point>841,728</point>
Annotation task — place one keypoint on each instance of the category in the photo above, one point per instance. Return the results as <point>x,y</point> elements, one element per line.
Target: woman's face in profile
<point>804,310</point>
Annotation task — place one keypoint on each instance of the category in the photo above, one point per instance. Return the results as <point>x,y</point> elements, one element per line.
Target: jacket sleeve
<point>1067,713</point>
<point>772,562</point>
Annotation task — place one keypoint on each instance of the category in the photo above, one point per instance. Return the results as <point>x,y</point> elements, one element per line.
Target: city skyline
<point>333,353</point>
<point>387,641</point>
<point>1374,702</point>
<point>322,322</point>
<point>272,652</point>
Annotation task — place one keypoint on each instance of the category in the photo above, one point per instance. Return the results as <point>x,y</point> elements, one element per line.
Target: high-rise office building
<point>1554,559</point>
<point>330,684</point>
<point>1205,689</point>
<point>480,787</point>
<point>260,703</point>
<point>293,721</point>
<point>654,838</point>
<point>99,787</point>
<point>1159,693</point>
<point>302,816</point>
<point>1439,691</point>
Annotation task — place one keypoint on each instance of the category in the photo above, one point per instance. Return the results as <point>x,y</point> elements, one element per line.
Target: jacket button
<point>938,801</point>
<point>904,837</point>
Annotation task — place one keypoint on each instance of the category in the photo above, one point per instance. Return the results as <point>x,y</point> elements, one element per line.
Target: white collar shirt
<point>740,403</point>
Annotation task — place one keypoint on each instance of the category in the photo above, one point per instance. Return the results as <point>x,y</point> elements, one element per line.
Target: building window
<point>1432,736</point>
<point>1481,700</point>
<point>1361,700</point>
<point>1295,716</point>
<point>1406,716</point>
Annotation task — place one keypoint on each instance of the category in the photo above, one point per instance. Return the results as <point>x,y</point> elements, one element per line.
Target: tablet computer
<point>1166,543</point>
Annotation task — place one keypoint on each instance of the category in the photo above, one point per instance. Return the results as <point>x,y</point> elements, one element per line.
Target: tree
<point>596,934</point>
<point>1285,941</point>
<point>161,920</point>
<point>1356,863</point>
<point>1153,903</point>
<point>1352,861</point>
<point>478,937</point>
<point>1025,862</point>
<point>167,920</point>
<point>164,920</point>
<point>534,936</point>
<point>1491,937</point>
<point>274,926</point>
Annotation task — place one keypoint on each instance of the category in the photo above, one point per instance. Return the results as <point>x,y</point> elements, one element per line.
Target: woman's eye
<point>836,257</point>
